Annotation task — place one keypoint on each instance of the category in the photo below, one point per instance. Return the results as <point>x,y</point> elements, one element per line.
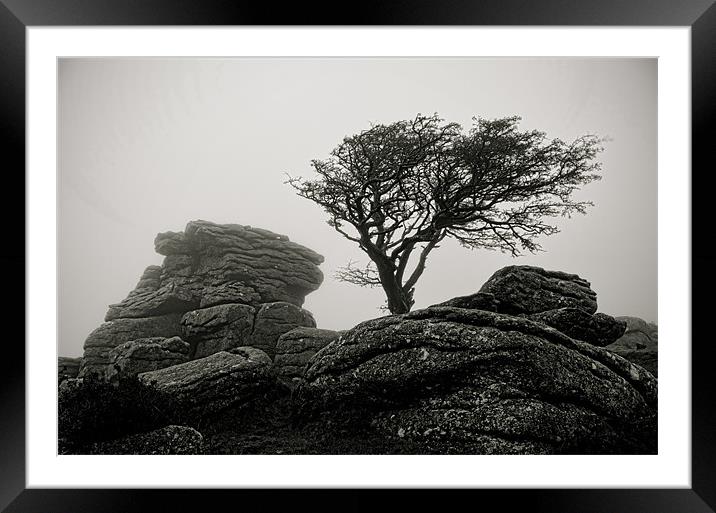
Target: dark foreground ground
<point>270,430</point>
<point>267,426</point>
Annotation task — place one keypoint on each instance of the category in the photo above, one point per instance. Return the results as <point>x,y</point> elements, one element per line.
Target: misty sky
<point>146,145</point>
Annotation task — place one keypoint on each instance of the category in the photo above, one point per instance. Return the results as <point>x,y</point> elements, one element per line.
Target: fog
<point>146,145</point>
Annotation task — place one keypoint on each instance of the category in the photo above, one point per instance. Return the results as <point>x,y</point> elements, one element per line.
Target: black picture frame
<point>17,15</point>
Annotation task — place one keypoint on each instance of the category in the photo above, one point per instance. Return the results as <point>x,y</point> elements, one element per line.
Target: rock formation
<point>296,348</point>
<point>275,319</point>
<point>522,289</point>
<point>463,379</point>
<point>519,367</point>
<point>114,333</point>
<point>598,329</point>
<point>563,301</point>
<point>213,383</point>
<point>639,344</point>
<point>218,328</point>
<point>219,287</point>
<point>146,354</point>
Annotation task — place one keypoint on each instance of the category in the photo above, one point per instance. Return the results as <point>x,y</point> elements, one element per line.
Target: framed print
<point>280,211</point>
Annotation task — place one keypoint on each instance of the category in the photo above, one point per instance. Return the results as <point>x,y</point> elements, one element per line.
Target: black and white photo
<point>357,255</point>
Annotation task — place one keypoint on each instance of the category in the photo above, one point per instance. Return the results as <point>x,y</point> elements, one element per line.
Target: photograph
<point>357,255</point>
<point>407,253</point>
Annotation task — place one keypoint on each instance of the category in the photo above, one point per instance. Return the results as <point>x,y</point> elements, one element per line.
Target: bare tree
<point>397,190</point>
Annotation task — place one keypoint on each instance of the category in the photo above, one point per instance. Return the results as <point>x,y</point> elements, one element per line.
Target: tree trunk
<point>399,301</point>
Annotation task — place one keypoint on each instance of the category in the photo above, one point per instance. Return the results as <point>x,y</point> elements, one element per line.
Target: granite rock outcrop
<point>220,286</point>
<point>498,372</point>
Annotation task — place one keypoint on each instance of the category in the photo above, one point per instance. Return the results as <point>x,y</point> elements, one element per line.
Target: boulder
<point>114,333</point>
<point>598,329</point>
<point>146,354</point>
<point>67,368</point>
<point>560,300</point>
<point>166,440</point>
<point>452,380</point>
<point>295,349</point>
<point>217,328</point>
<point>522,289</point>
<point>147,302</point>
<point>214,383</point>
<point>275,319</point>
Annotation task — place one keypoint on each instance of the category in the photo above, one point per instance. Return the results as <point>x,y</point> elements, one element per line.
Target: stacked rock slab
<point>220,286</point>
<point>275,319</point>
<point>146,354</point>
<point>218,328</point>
<point>296,348</point>
<point>462,379</point>
<point>211,384</point>
<point>109,335</point>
